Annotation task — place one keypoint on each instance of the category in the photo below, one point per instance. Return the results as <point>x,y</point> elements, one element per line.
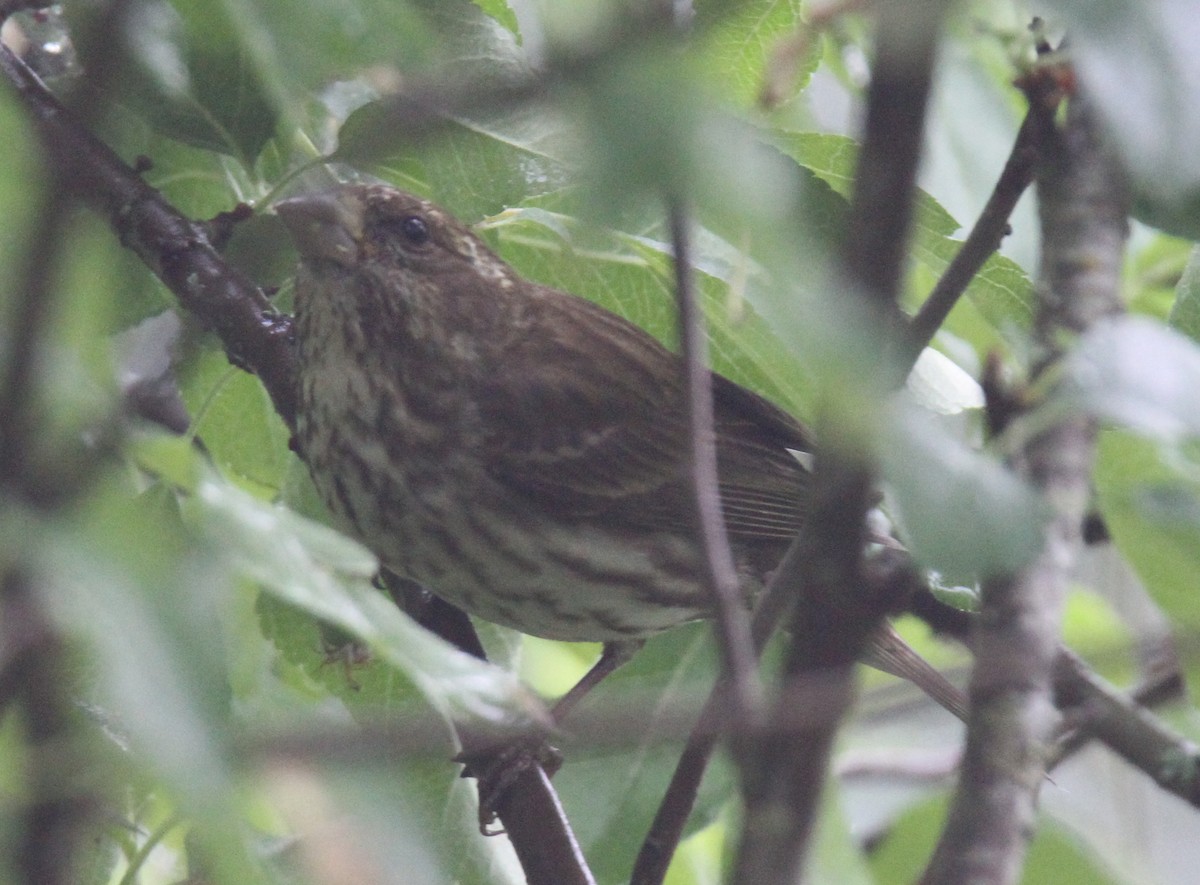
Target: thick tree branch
<point>173,246</point>
<point>1017,638</point>
<point>1125,726</point>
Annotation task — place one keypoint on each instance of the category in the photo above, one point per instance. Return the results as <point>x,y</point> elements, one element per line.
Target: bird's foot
<point>498,768</point>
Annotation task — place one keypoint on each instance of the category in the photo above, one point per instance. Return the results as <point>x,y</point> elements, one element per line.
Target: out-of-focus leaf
<point>306,49</point>
<point>1150,497</point>
<point>1001,290</point>
<point>1154,265</point>
<point>1139,65</point>
<point>1185,312</point>
<point>940,385</point>
<point>191,71</point>
<point>1129,371</point>
<point>21,185</point>
<point>141,676</point>
<point>641,120</point>
<point>325,574</point>
<point>964,513</point>
<point>954,595</point>
<point>116,285</point>
<point>121,580</point>
<point>836,854</point>
<point>236,421</point>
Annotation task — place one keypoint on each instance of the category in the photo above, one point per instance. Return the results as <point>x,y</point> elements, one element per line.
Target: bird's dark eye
<point>415,230</point>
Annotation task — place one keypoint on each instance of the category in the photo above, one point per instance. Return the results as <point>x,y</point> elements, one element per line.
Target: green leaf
<point>1150,498</point>
<point>174,459</point>
<point>234,418</point>
<point>836,855</point>
<point>964,513</point>
<point>113,280</point>
<point>120,583</point>
<point>325,574</point>
<point>1001,290</point>
<point>501,12</point>
<point>736,43</point>
<point>191,72</point>
<point>306,47</point>
<point>20,182</point>
<point>1139,66</point>
<point>474,167</point>
<point>1185,312</point>
<point>1129,371</point>
<point>641,121</point>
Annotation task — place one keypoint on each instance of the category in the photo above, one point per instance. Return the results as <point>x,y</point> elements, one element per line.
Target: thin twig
<point>984,239</point>
<point>1044,92</point>
<point>732,619</point>
<point>665,831</point>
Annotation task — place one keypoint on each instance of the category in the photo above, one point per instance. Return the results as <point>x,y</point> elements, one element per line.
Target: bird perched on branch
<point>516,449</point>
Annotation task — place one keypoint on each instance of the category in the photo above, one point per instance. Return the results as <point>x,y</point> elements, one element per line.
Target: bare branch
<point>985,237</point>
<point>1125,726</point>
<point>732,621</point>
<point>176,248</point>
<point>1017,637</point>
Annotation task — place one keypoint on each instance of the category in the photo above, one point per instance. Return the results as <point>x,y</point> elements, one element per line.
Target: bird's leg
<point>497,770</point>
<point>615,655</point>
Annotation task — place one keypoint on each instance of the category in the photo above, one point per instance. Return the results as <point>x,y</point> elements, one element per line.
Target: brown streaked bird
<point>518,450</point>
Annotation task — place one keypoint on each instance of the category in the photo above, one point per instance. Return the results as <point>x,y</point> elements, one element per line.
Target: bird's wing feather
<point>587,417</point>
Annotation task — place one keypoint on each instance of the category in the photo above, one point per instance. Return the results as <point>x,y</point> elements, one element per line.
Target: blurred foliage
<point>191,586</point>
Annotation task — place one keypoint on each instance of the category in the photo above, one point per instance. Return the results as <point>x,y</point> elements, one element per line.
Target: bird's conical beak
<point>326,226</point>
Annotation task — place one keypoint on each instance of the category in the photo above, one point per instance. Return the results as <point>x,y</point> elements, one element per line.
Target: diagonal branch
<point>1045,94</point>
<point>173,246</point>
<point>983,240</point>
